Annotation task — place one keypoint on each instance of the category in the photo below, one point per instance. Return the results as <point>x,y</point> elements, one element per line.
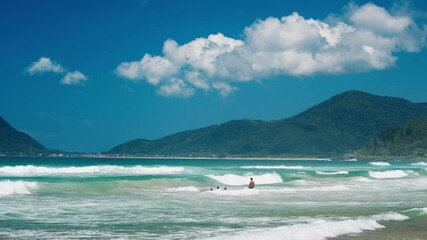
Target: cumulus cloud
<point>175,88</point>
<point>45,64</point>
<point>363,38</point>
<point>74,78</point>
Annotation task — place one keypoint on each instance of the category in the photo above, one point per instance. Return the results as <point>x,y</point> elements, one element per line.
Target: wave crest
<point>332,173</point>
<point>273,167</point>
<point>236,180</point>
<point>8,187</point>
<point>382,164</point>
<point>30,170</point>
<point>388,174</point>
<point>419,164</point>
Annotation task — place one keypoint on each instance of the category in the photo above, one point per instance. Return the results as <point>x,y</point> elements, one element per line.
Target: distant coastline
<point>165,157</point>
<point>265,158</point>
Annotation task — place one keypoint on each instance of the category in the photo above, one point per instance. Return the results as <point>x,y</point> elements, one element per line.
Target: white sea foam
<point>184,189</point>
<point>388,174</point>
<point>362,179</point>
<point>332,173</point>
<point>419,164</point>
<point>273,167</point>
<point>328,188</point>
<point>302,182</point>
<point>351,160</point>
<point>235,192</point>
<point>30,170</point>
<point>277,190</point>
<point>390,216</point>
<point>318,229</point>
<point>423,211</point>
<point>383,164</point>
<point>236,180</point>
<point>8,187</point>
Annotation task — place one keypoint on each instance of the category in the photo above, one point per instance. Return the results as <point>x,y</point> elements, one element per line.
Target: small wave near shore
<point>30,170</point>
<point>237,180</point>
<point>318,229</point>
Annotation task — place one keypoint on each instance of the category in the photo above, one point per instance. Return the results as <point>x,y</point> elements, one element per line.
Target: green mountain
<point>409,140</point>
<point>13,142</point>
<point>339,125</point>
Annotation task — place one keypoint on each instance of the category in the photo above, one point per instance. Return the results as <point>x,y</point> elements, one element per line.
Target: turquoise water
<point>95,198</point>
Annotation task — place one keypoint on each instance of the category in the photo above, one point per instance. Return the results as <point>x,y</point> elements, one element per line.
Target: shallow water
<point>62,198</point>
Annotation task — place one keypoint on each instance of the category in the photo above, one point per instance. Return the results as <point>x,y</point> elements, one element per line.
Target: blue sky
<point>88,75</point>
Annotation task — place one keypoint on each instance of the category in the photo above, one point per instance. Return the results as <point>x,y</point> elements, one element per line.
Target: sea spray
<point>8,187</point>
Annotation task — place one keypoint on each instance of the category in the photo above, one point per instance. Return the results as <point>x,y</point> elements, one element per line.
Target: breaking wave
<point>319,229</point>
<point>361,179</point>
<point>236,180</point>
<point>388,174</point>
<point>421,211</point>
<point>332,173</point>
<point>8,187</point>
<point>30,170</point>
<point>273,167</point>
<point>383,164</point>
<point>351,160</point>
<point>419,164</point>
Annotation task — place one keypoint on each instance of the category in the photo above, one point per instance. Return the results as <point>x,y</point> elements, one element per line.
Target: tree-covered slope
<point>13,141</point>
<point>341,124</point>
<point>405,140</point>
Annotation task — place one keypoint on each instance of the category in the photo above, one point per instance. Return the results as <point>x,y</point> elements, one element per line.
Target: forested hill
<point>342,124</point>
<point>14,142</point>
<point>409,140</point>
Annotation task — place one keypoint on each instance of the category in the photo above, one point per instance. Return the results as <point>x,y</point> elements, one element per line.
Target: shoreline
<point>228,158</point>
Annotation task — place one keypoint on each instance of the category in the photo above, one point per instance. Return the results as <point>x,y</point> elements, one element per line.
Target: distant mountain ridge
<point>408,140</point>
<point>13,142</point>
<point>342,124</point>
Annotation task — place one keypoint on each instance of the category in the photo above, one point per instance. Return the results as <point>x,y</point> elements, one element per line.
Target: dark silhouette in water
<point>251,183</point>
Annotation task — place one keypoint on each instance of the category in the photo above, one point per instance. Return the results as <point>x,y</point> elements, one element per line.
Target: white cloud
<point>74,78</point>
<point>364,38</point>
<point>175,88</point>
<point>377,19</point>
<point>224,88</point>
<point>154,69</point>
<point>44,65</point>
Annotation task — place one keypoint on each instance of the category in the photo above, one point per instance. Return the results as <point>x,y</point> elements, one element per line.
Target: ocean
<point>131,198</point>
